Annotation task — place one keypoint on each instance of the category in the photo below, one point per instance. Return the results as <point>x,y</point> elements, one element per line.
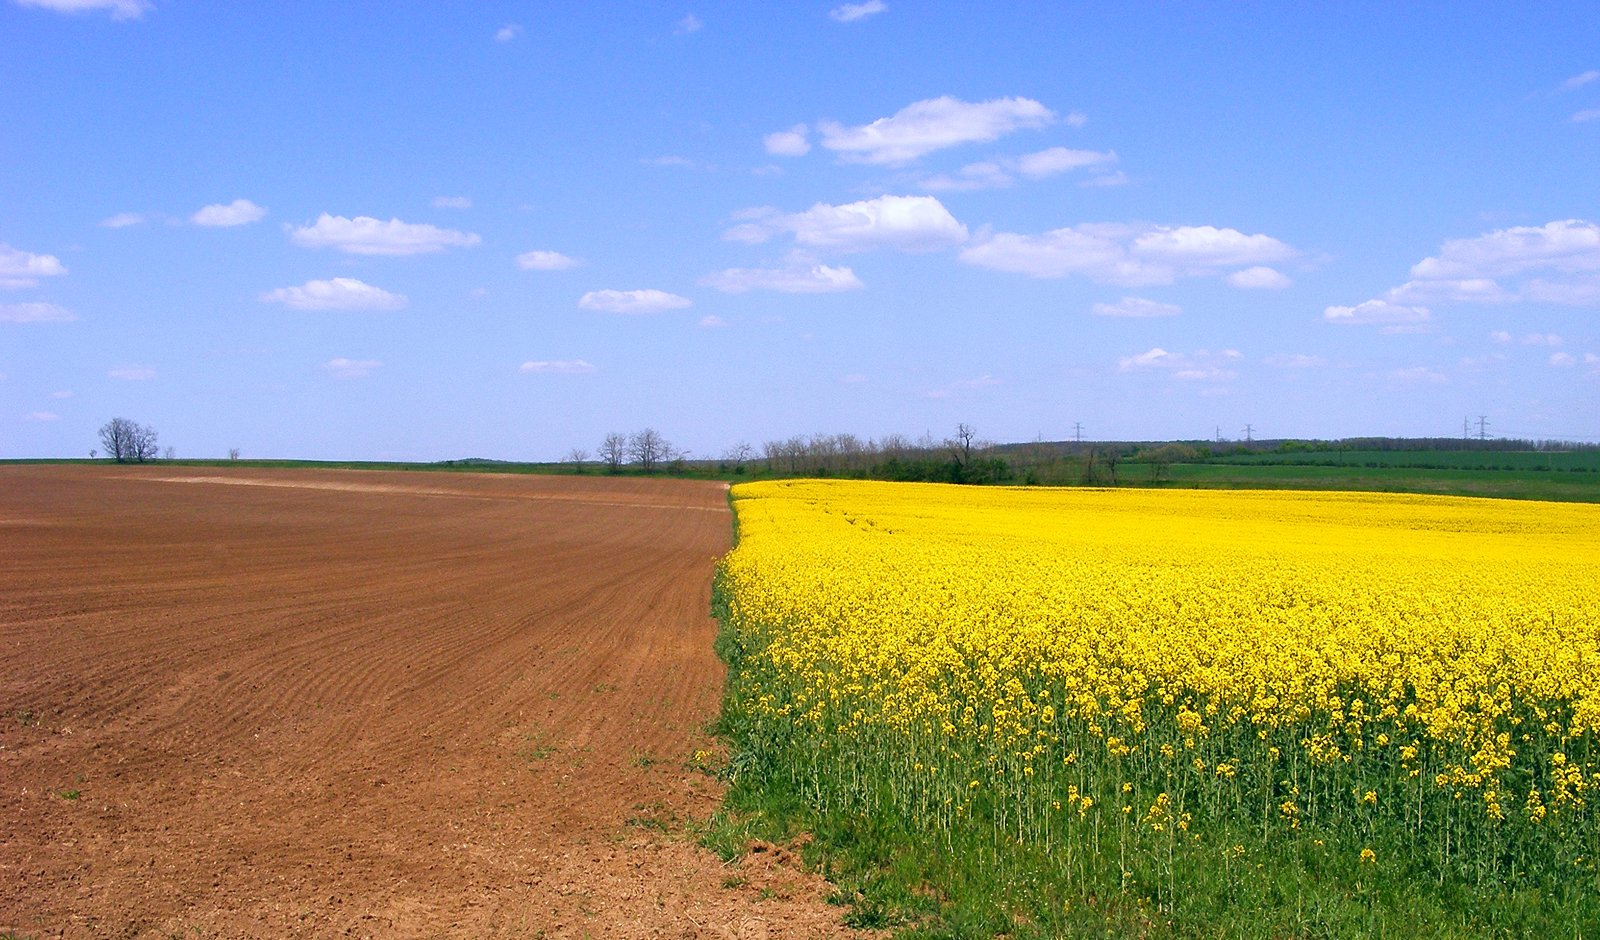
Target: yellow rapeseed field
<point>1410,675</point>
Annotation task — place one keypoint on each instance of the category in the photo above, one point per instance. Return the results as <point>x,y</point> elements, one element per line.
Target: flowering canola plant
<point>1068,669</point>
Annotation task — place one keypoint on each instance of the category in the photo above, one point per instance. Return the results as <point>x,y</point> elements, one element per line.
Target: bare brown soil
<point>334,703</point>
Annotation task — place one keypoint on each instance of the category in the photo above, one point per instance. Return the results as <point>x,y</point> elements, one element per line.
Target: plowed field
<point>316,703</point>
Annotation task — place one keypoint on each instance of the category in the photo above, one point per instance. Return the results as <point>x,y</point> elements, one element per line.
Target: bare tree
<point>648,449</point>
<point>233,453</point>
<point>961,445</point>
<point>127,440</point>
<point>171,453</point>
<point>614,450</point>
<point>577,456</point>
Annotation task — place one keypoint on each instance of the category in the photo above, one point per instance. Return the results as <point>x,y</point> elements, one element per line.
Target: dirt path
<point>321,703</point>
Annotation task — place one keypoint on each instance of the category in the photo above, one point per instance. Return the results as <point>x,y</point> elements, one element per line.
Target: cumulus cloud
<point>237,212</point>
<point>546,261</point>
<point>452,202</point>
<point>122,220</point>
<point>364,235</point>
<point>132,373</point>
<point>1129,255</point>
<point>342,368</point>
<point>340,293</point>
<point>1136,307</point>
<point>790,143</point>
<point>632,301</point>
<point>119,9</point>
<point>1259,277</point>
<point>20,268</point>
<point>557,367</point>
<point>1558,262</point>
<point>1377,312</point>
<point>1199,366</point>
<point>35,313</point>
<point>926,126</point>
<point>816,279</point>
<point>508,32</point>
<point>855,12</point>
<point>904,223</point>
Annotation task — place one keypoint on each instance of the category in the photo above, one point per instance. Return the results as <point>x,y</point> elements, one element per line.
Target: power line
<point>1077,431</point>
<point>1483,427</point>
<point>1247,429</point>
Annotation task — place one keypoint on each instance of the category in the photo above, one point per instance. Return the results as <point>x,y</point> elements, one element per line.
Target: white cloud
<point>853,12</point>
<point>64,394</point>
<point>558,367</point>
<point>1377,312</point>
<point>508,32</point>
<point>43,416</point>
<point>1136,307</point>
<point>1558,262</point>
<point>1500,336</point>
<point>1259,277</point>
<point>1471,290</point>
<point>119,9</point>
<point>964,385</point>
<point>1118,178</point>
<point>986,175</point>
<point>364,235</point>
<point>670,160</point>
<point>1543,339</point>
<point>237,212</point>
<point>925,126</point>
<point>1585,116</point>
<point>1294,361</point>
<point>904,223</point>
<point>632,301</point>
<point>35,313</point>
<point>1199,366</point>
<point>122,220</point>
<point>1418,374</point>
<point>689,24</point>
<point>1129,255</point>
<point>20,268</point>
<point>1061,160</point>
<point>546,261</point>
<point>452,202</point>
<point>342,368</point>
<point>132,373</point>
<point>712,322</point>
<point>1563,360</point>
<point>340,293</point>
<point>1580,80</point>
<point>817,279</point>
<point>789,143</point>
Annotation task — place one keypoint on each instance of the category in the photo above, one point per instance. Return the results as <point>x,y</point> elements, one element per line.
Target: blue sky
<point>425,231</point>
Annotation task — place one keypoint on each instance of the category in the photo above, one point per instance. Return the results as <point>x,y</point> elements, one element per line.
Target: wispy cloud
<point>855,12</point>
<point>237,212</point>
<point>632,301</point>
<point>123,220</point>
<point>689,24</point>
<point>1136,307</point>
<point>558,367</point>
<point>452,202</point>
<point>816,279</point>
<point>364,235</point>
<point>1199,366</point>
<point>1579,80</point>
<point>1003,171</point>
<point>35,313</point>
<point>340,293</point>
<point>508,32</point>
<point>119,9</point>
<point>546,261</point>
<point>132,373</point>
<point>42,416</point>
<point>342,368</point>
